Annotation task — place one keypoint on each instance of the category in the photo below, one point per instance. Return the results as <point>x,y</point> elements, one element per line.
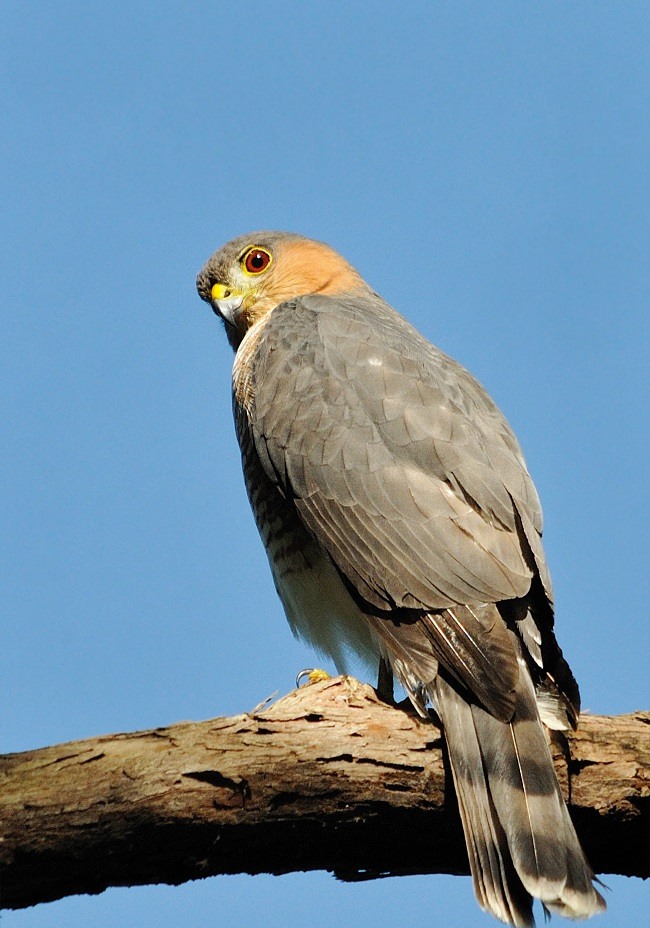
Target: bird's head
<point>253,274</point>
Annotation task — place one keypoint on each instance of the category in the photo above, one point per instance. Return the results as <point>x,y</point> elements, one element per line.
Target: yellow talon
<point>312,675</point>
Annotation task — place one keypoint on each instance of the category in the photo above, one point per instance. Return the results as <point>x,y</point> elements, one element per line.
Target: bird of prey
<point>402,526</point>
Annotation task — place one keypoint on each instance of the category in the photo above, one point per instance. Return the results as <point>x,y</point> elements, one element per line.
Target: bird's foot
<point>312,675</point>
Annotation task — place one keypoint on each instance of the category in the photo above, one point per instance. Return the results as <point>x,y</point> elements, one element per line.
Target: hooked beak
<point>226,303</point>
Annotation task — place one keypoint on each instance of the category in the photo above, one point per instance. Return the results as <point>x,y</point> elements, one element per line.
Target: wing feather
<point>366,427</point>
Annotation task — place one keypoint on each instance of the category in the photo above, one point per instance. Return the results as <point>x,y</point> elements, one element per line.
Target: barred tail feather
<point>521,842</point>
<point>497,886</point>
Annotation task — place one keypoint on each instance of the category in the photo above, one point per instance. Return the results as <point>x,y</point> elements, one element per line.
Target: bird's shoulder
<point>353,336</point>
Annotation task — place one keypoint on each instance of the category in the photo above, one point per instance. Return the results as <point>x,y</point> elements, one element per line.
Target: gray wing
<point>397,460</point>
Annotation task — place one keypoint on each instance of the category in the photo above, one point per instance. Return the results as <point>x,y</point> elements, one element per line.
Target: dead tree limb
<point>327,778</point>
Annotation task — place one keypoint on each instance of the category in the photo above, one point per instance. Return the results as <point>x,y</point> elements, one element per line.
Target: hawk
<point>402,526</point>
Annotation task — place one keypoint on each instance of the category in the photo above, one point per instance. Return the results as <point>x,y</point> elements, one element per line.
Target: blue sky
<point>485,166</point>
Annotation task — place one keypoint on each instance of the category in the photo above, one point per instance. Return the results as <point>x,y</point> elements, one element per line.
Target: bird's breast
<point>317,604</point>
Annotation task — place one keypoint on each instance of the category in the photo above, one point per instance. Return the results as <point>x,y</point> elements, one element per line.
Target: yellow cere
<point>219,292</point>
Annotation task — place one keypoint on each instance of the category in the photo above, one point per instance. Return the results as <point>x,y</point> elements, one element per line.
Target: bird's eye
<point>256,260</point>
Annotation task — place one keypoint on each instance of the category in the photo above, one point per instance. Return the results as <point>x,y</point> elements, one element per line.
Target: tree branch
<point>327,778</point>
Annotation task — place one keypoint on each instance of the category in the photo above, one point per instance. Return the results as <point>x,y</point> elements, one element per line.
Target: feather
<point>497,885</point>
<point>512,809</point>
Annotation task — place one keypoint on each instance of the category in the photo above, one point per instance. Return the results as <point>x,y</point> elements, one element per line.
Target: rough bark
<point>327,778</point>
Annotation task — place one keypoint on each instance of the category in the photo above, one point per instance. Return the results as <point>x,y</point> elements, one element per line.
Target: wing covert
<point>397,461</point>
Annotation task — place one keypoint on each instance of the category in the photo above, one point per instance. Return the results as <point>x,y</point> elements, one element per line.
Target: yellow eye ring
<point>255,260</point>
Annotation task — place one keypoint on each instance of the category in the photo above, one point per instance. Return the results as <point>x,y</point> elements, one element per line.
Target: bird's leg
<point>385,681</point>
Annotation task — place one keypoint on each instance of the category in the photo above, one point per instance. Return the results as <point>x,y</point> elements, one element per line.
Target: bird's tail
<point>520,840</point>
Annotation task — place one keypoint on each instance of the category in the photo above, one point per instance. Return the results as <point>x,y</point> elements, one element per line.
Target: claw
<point>312,675</point>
